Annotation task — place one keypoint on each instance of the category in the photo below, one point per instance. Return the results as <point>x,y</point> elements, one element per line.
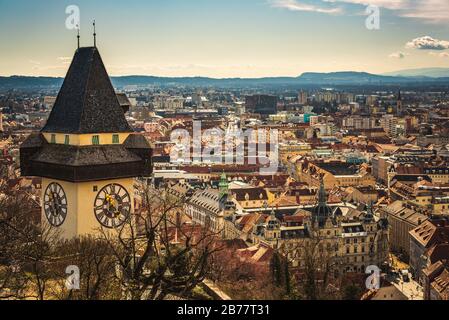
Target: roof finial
<point>322,197</point>
<point>78,35</point>
<point>95,35</point>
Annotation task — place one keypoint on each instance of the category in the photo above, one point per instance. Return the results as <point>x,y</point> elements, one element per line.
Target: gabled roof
<point>253,194</point>
<point>389,293</point>
<point>430,232</point>
<point>441,284</point>
<point>208,199</point>
<point>87,102</point>
<point>438,252</point>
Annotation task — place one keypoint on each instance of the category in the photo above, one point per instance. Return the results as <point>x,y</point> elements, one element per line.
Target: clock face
<point>55,204</point>
<point>112,206</point>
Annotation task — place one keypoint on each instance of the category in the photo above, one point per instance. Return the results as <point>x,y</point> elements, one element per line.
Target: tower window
<point>53,138</point>
<point>95,140</point>
<point>67,139</point>
<point>115,139</point>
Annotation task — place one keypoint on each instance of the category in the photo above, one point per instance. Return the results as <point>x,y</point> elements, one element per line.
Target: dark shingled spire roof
<point>87,102</point>
<point>322,211</point>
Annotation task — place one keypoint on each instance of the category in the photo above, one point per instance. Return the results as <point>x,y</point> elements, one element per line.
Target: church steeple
<point>223,185</point>
<point>322,211</point>
<point>399,106</point>
<point>322,197</point>
<point>369,215</point>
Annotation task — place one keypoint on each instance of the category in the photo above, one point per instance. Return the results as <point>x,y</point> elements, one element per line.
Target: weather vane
<point>95,35</point>
<point>78,34</point>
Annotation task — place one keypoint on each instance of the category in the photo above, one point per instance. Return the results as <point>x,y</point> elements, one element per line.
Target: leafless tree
<point>12,280</point>
<point>95,261</point>
<point>319,267</point>
<point>156,255</point>
<point>26,247</point>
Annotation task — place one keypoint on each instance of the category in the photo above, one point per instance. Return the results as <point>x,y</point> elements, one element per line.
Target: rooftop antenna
<point>95,36</point>
<point>78,35</point>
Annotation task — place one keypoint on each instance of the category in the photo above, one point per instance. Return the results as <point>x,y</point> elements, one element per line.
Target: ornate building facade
<point>353,239</point>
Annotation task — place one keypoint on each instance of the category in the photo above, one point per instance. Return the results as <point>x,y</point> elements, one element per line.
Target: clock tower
<point>87,154</point>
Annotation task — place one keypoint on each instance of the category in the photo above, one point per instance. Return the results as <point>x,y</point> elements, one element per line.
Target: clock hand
<point>53,203</point>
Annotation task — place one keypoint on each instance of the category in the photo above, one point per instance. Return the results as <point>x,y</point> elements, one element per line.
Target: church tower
<point>87,154</point>
<point>399,106</point>
<point>223,185</point>
<point>321,212</point>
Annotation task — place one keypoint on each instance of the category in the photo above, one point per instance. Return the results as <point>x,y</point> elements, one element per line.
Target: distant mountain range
<point>309,78</point>
<point>423,72</point>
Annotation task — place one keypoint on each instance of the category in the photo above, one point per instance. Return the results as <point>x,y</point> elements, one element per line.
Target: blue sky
<point>226,38</point>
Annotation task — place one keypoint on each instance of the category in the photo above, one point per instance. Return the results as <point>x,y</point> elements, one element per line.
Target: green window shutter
<point>53,138</point>
<point>95,140</point>
<point>67,139</point>
<point>115,139</point>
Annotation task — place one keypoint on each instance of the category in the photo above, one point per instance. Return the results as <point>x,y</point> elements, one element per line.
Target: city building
<point>261,104</point>
<point>352,239</point>
<point>429,244</point>
<point>402,217</point>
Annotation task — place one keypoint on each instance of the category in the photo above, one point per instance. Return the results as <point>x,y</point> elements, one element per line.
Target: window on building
<point>95,140</point>
<point>115,139</point>
<point>53,138</point>
<point>67,139</point>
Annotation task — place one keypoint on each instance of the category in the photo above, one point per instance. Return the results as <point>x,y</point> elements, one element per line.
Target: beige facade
<point>311,175</point>
<point>402,218</point>
<point>85,139</point>
<point>80,219</point>
<point>352,251</point>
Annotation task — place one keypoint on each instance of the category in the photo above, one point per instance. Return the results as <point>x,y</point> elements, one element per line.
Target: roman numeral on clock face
<point>112,206</point>
<point>55,204</point>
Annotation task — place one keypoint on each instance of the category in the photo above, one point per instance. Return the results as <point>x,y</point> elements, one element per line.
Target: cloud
<point>440,55</point>
<point>430,11</point>
<point>388,4</point>
<point>34,62</point>
<point>64,60</point>
<point>398,55</point>
<point>294,5</point>
<point>434,11</point>
<point>427,43</point>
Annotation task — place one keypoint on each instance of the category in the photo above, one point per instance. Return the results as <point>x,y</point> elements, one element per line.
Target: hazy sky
<point>226,38</point>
